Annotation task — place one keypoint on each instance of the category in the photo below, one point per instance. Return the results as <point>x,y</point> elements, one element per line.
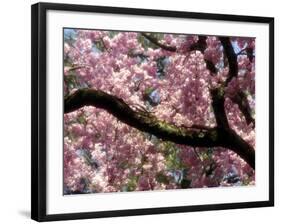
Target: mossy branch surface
<point>147,122</point>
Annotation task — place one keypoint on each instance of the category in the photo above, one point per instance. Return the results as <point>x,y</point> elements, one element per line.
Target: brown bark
<point>220,136</point>
<point>147,122</point>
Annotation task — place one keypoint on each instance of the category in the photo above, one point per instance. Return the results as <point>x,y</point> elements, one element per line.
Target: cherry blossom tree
<point>153,111</point>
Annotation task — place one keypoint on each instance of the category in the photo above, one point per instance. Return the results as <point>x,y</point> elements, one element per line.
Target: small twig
<point>137,85</point>
<point>197,154</point>
<point>241,51</point>
<point>158,43</point>
<point>77,66</point>
<point>140,108</point>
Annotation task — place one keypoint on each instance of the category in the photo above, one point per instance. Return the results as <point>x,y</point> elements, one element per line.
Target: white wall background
<point>15,110</point>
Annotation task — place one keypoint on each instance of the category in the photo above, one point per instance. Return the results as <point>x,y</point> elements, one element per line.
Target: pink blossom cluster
<point>102,154</point>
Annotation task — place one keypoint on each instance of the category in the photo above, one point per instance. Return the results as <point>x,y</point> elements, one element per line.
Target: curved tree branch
<point>158,43</point>
<point>218,99</point>
<point>200,45</point>
<point>147,122</point>
<point>143,121</point>
<point>240,98</point>
<point>230,139</point>
<point>231,58</point>
<point>221,136</point>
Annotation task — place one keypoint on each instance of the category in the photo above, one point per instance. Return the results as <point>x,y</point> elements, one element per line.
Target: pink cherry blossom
<point>102,154</point>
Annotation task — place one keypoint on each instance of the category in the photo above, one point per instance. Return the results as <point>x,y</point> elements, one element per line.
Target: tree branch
<point>240,98</point>
<point>141,120</point>
<point>200,45</point>
<point>230,138</point>
<point>231,58</point>
<point>218,99</point>
<point>146,122</point>
<point>221,136</point>
<point>158,43</point>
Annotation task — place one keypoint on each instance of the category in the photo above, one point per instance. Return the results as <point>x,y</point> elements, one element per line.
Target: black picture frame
<point>39,108</point>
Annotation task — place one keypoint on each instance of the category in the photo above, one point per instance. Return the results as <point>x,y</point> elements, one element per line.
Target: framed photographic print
<point>140,111</point>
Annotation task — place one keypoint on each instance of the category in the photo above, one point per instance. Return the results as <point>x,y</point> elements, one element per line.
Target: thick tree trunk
<point>146,122</point>
<point>221,136</point>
